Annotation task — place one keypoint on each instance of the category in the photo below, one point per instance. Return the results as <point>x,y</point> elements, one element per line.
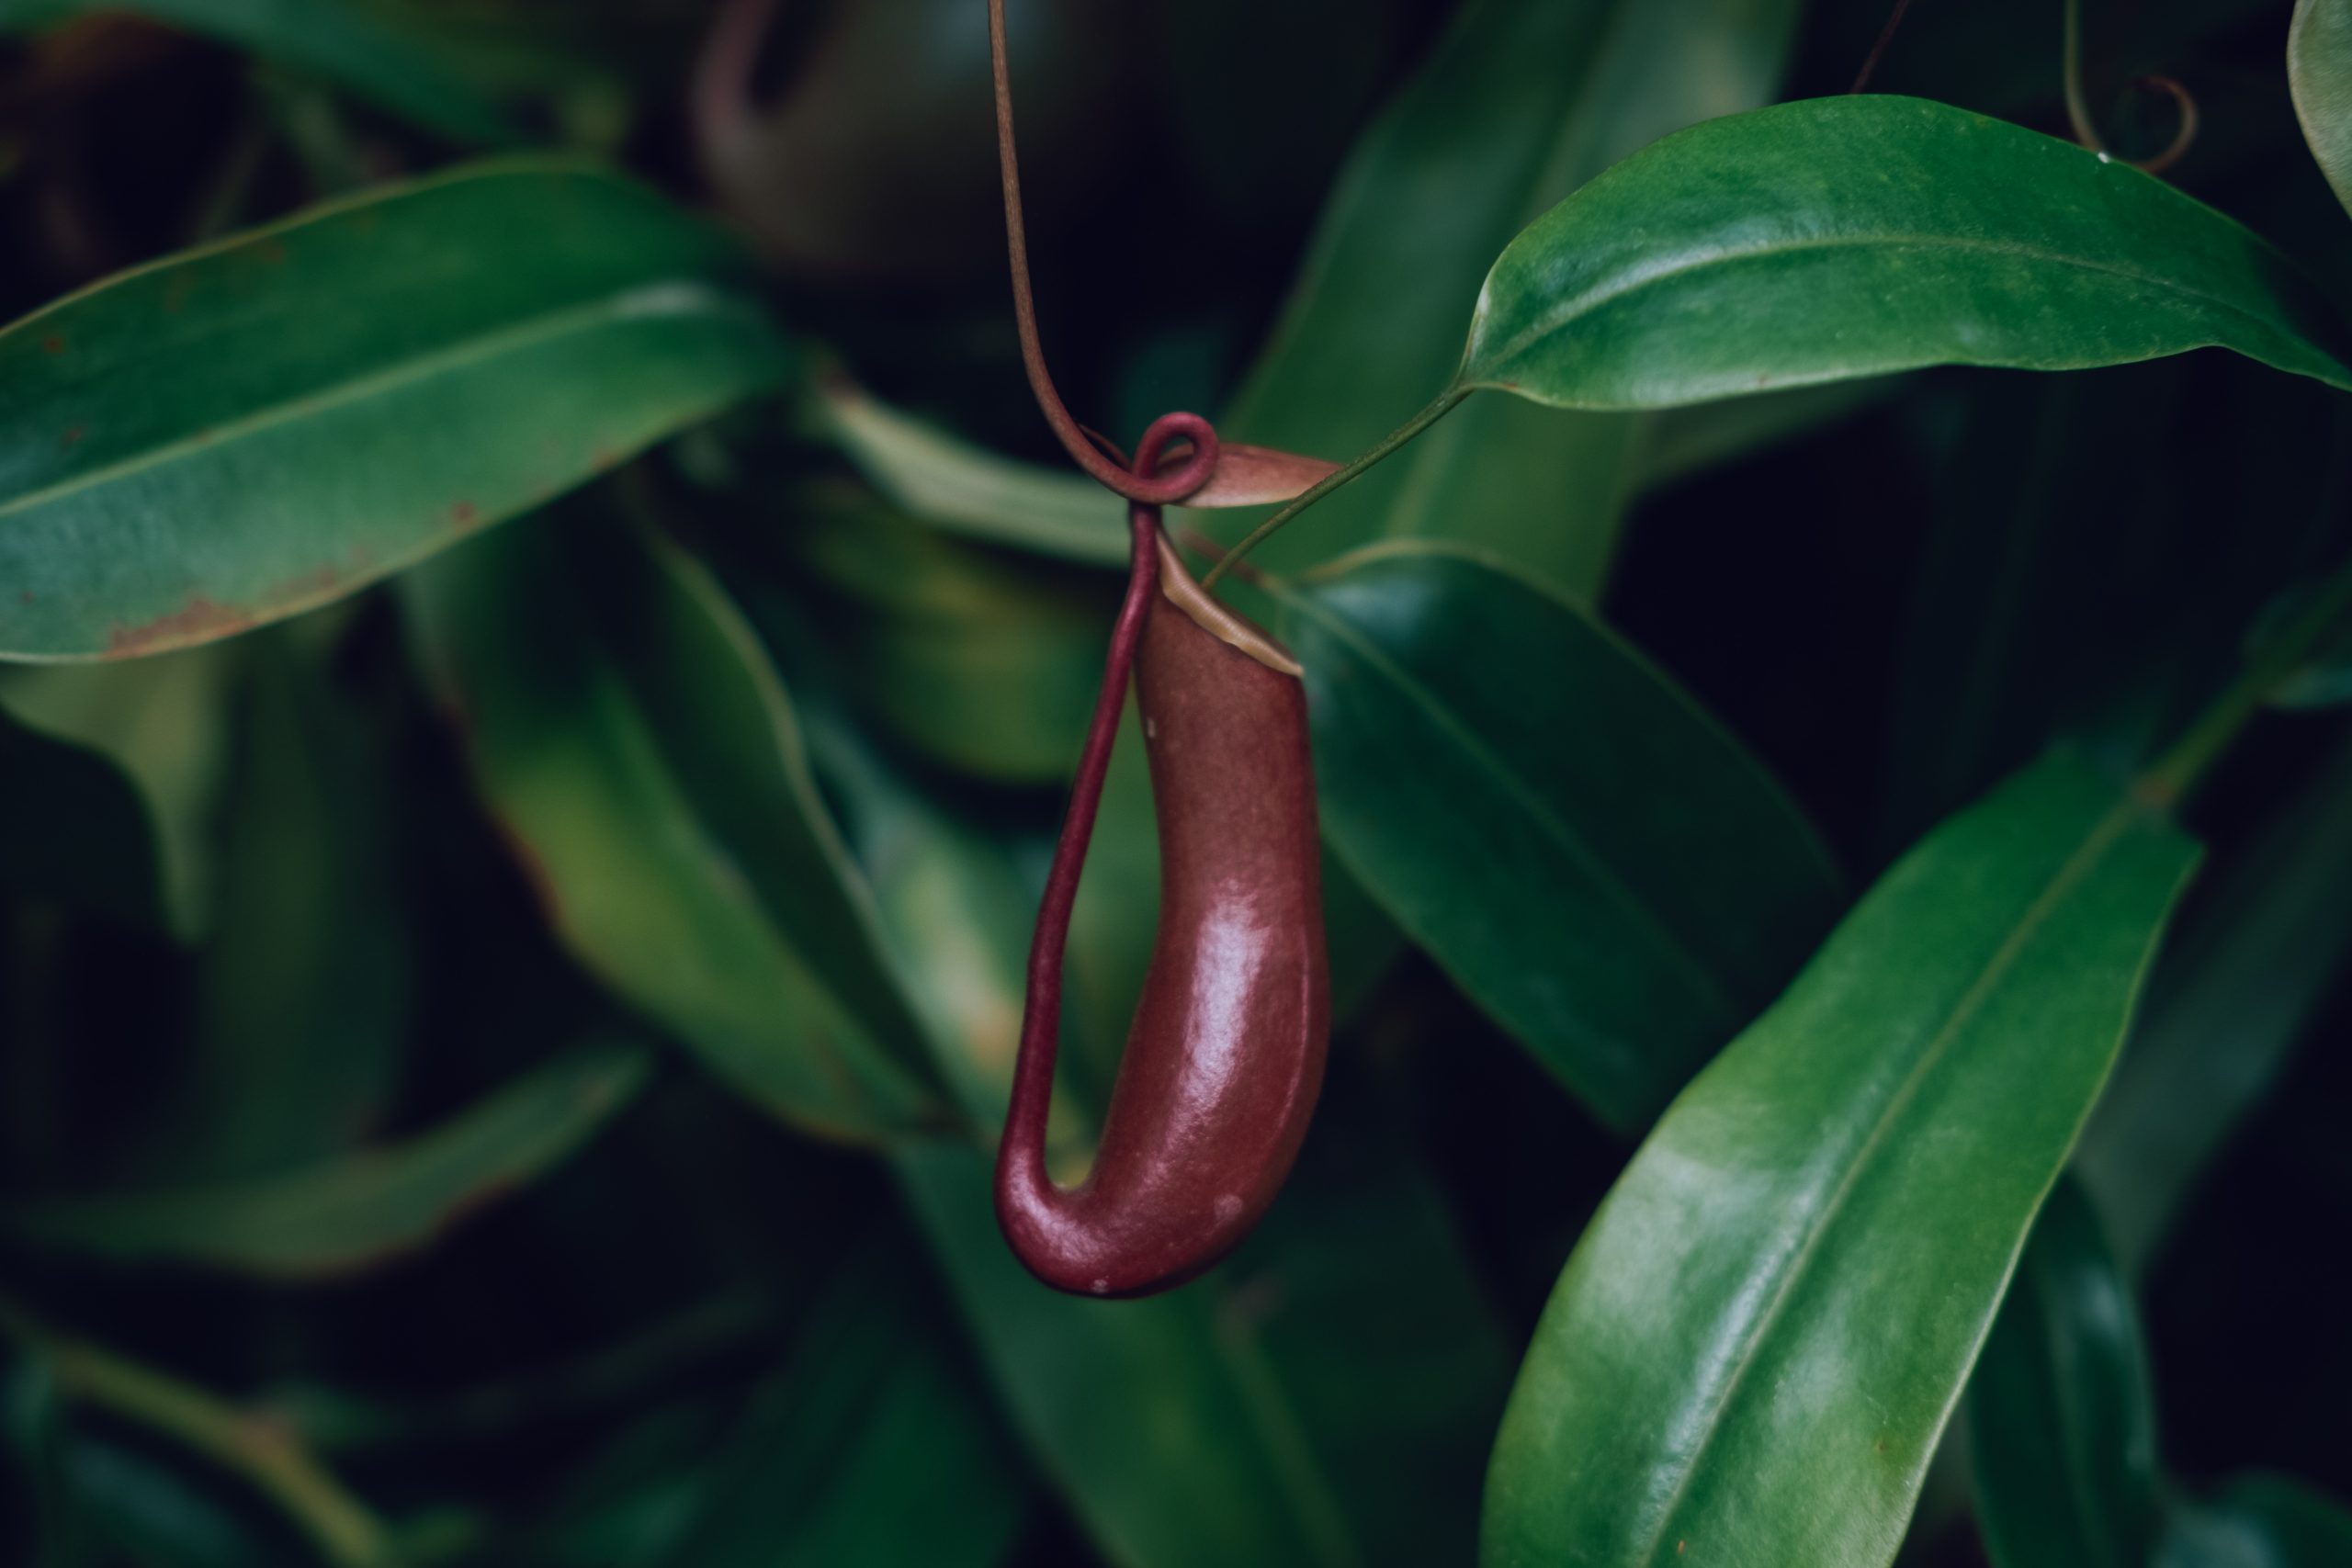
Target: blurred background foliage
<point>458,1103</point>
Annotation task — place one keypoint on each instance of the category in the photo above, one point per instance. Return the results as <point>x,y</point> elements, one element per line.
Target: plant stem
<point>2176,774</point>
<point>1443,405</point>
<point>265,1451</point>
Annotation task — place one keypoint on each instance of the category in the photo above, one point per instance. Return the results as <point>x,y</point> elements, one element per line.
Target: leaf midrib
<point>1562,315</point>
<point>2062,883</point>
<point>671,298</point>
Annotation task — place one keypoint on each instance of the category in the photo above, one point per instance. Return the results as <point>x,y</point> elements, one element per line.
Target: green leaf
<point>1520,103</point>
<point>164,722</point>
<point>222,439</point>
<point>981,661</point>
<point>628,733</point>
<point>2259,1521</point>
<point>1754,1348</point>
<point>352,1214</point>
<point>874,1444</point>
<point>345,41</point>
<point>2062,1425</point>
<point>2319,71</point>
<point>969,489</point>
<point>1590,856</point>
<point>957,898</point>
<point>1842,237</point>
<point>307,983</point>
<point>2258,952</point>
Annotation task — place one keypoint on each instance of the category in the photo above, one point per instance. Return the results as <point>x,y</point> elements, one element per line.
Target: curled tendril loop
<point>1162,433</point>
<point>1141,485</point>
<point>2184,135</point>
<point>2078,113</point>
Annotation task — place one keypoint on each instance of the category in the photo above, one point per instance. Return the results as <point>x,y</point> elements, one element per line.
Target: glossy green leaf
<point>352,1213</point>
<point>1593,859</point>
<point>1757,251</point>
<point>979,660</point>
<point>2061,1422</point>
<point>874,1444</point>
<point>220,439</point>
<point>2259,1521</point>
<point>626,732</point>
<point>1520,103</point>
<point>1755,1346</point>
<point>1230,1421</point>
<point>350,42</point>
<point>2319,71</point>
<point>2257,953</point>
<point>165,723</point>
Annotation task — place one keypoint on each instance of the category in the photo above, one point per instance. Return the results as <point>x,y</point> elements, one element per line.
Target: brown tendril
<point>2078,113</point>
<point>1878,51</point>
<point>1138,485</point>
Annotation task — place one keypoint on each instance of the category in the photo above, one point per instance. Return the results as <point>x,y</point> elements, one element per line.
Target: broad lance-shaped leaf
<point>1520,104</point>
<point>223,438</point>
<point>1842,237</point>
<point>347,1214</point>
<point>1593,859</point>
<point>1268,1445</point>
<point>1755,1345</point>
<point>2319,71</point>
<point>2061,1424</point>
<point>626,733</point>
